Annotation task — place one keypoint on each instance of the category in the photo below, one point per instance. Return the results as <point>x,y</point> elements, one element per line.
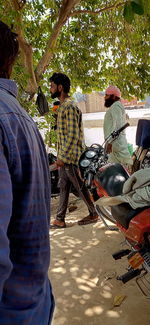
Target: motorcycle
<point>54,176</point>
<point>107,180</point>
<point>141,156</point>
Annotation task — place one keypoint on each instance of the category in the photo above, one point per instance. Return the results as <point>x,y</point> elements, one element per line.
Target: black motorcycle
<point>54,175</point>
<point>97,172</point>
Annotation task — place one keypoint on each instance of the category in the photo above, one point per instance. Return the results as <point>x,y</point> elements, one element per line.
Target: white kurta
<point>114,119</point>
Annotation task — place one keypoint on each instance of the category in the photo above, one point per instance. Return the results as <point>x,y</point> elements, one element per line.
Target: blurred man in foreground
<point>25,292</point>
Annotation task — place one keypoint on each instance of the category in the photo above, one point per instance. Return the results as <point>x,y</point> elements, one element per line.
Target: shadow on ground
<point>83,275</point>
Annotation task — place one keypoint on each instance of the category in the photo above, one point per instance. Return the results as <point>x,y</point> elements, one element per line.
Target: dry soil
<point>83,275</point>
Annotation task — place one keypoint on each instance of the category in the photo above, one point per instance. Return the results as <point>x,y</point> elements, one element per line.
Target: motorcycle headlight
<point>84,163</point>
<point>90,154</point>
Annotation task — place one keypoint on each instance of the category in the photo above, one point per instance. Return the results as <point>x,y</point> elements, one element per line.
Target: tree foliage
<point>95,42</point>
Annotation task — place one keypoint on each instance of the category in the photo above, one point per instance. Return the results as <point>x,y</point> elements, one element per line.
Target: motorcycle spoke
<point>105,213</point>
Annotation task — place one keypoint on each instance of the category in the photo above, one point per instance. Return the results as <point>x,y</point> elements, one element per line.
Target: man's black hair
<point>9,48</point>
<point>61,79</point>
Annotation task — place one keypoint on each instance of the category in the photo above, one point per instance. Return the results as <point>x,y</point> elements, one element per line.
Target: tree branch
<point>64,14</point>
<point>26,49</point>
<point>18,4</point>
<point>116,5</point>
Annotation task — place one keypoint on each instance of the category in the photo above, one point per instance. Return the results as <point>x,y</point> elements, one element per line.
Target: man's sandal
<point>57,224</point>
<point>87,220</point>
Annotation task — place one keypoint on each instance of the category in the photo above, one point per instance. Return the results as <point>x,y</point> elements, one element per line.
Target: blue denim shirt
<point>25,291</point>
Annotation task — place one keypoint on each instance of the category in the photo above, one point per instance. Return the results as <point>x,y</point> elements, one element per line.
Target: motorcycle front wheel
<point>105,212</point>
<point>146,161</point>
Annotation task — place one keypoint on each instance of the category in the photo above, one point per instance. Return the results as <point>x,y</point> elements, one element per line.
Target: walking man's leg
<point>64,184</point>
<point>75,179</point>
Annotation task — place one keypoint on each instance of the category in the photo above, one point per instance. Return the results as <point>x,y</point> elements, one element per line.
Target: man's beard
<point>109,101</point>
<point>57,94</point>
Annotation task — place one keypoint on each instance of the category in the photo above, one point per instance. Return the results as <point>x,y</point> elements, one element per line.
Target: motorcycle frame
<point>138,226</point>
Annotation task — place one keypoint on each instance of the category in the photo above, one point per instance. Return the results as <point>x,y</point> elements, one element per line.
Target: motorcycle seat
<point>112,177</point>
<point>143,134</point>
<point>123,213</point>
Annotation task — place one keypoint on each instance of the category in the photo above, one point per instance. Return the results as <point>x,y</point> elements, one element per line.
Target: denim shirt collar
<point>9,85</point>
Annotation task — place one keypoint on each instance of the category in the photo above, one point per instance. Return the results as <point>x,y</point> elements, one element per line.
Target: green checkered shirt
<point>70,139</point>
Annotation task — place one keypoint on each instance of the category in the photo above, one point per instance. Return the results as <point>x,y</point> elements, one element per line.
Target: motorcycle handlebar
<point>116,133</point>
<point>122,128</point>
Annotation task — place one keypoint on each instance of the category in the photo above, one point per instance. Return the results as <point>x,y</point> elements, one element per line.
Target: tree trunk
<point>26,49</point>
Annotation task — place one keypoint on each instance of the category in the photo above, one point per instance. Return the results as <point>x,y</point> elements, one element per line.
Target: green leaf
<point>128,12</point>
<point>137,7</point>
<point>146,5</point>
<point>117,52</point>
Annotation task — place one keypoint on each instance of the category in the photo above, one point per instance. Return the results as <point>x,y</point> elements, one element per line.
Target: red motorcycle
<point>107,180</point>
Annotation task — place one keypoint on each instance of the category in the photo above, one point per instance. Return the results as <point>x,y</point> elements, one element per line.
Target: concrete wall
<point>94,102</point>
<point>99,122</point>
<point>82,106</point>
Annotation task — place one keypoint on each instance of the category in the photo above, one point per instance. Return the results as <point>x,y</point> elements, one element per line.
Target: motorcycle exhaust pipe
<point>129,275</point>
<point>121,253</point>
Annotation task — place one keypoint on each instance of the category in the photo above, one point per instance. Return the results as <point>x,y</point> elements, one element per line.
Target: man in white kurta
<point>114,119</point>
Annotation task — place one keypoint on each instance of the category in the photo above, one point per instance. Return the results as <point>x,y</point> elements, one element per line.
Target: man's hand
<point>59,163</point>
<point>108,147</point>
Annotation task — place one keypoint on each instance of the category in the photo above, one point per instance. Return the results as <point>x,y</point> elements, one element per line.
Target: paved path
<point>93,125</point>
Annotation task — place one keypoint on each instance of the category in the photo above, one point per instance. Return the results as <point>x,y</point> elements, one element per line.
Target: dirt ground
<point>83,275</point>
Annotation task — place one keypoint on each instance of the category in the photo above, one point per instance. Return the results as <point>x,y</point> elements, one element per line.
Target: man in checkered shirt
<point>70,144</point>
